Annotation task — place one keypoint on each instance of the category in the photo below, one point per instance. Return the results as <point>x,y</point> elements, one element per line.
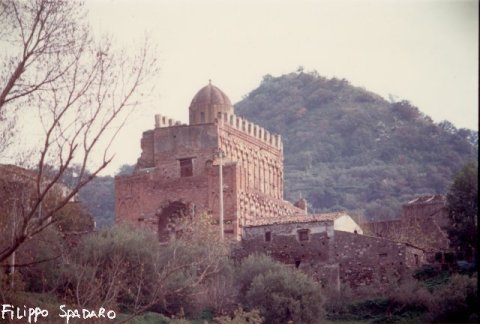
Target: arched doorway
<point>168,216</point>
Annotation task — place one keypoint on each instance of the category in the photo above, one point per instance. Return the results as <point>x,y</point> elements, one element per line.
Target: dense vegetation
<point>349,149</point>
<point>191,279</point>
<point>129,271</point>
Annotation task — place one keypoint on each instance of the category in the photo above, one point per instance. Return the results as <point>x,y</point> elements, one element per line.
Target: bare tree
<point>82,89</point>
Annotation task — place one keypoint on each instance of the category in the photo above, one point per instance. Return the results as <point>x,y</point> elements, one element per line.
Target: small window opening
<point>202,117</point>
<point>417,261</point>
<point>219,116</point>
<point>186,167</point>
<point>303,235</point>
<point>383,255</point>
<point>297,263</point>
<point>268,236</point>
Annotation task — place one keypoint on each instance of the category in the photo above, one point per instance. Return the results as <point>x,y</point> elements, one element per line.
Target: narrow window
<point>202,117</point>
<point>303,235</point>
<point>219,116</point>
<point>416,259</point>
<point>297,263</point>
<point>186,167</point>
<point>268,236</point>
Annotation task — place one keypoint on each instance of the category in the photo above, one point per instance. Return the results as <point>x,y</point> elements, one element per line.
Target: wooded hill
<point>349,149</point>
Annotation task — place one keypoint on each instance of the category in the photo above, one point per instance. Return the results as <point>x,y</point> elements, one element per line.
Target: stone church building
<point>179,168</point>
<point>178,174</point>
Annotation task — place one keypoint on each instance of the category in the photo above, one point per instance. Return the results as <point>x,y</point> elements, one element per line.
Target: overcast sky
<point>422,51</point>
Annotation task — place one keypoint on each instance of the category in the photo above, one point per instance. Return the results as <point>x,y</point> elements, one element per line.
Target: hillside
<point>349,149</point>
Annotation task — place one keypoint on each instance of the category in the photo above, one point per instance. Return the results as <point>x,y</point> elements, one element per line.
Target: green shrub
<point>286,295</point>
<point>251,267</point>
<point>432,277</point>
<point>456,302</point>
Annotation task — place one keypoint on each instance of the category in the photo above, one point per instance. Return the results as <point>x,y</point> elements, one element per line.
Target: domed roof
<point>208,96</point>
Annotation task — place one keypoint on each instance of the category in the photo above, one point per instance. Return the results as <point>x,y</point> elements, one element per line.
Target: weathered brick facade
<point>180,163</point>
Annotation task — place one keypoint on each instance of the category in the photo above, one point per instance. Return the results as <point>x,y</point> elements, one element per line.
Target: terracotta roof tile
<point>298,218</point>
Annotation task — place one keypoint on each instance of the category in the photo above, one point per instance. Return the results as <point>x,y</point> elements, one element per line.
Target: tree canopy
<point>462,200</point>
<point>349,149</point>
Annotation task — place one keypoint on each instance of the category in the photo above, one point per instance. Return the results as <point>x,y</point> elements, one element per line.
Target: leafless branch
<point>83,90</point>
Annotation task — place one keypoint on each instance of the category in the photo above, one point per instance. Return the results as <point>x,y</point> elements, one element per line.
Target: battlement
<point>163,121</point>
<point>253,130</point>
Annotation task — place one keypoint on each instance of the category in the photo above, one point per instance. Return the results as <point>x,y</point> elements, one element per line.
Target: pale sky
<point>422,51</point>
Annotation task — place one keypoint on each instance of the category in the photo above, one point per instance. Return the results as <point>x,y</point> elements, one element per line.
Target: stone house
<point>422,223</point>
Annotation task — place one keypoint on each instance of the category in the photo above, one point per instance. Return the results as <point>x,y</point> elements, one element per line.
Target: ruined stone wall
<point>313,256</point>
<point>333,257</point>
<point>387,229</point>
<point>423,224</point>
<point>365,259</point>
<point>163,147</point>
<point>138,198</point>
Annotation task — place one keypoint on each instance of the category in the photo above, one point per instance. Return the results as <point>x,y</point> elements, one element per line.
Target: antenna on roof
<point>210,81</point>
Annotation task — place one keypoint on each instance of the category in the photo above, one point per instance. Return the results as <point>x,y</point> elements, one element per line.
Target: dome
<point>210,103</point>
<point>210,95</point>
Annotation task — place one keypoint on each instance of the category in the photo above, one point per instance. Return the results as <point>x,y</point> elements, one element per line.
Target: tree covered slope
<point>348,148</point>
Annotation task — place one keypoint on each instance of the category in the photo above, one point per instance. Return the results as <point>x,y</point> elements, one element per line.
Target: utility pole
<point>220,168</point>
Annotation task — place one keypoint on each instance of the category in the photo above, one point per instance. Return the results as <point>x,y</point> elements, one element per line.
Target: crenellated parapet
<point>253,130</point>
<point>163,121</point>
